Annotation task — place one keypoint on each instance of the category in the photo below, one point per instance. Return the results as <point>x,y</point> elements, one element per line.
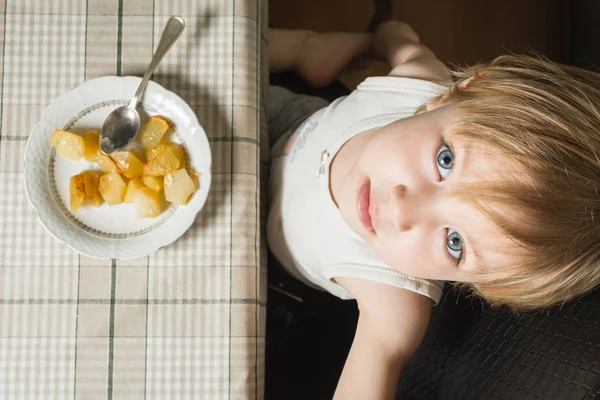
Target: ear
<point>464,84</point>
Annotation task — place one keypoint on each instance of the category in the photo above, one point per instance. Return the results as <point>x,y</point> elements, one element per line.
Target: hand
<point>394,30</point>
<point>393,41</point>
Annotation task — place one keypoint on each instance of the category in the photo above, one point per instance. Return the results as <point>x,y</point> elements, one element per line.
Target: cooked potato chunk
<point>151,153</point>
<point>91,140</point>
<point>112,188</point>
<point>68,144</point>
<point>147,203</point>
<point>133,186</point>
<point>164,162</point>
<point>92,196</point>
<point>177,149</point>
<point>128,164</point>
<point>107,165</point>
<point>178,187</point>
<point>153,182</point>
<point>153,131</point>
<point>77,192</point>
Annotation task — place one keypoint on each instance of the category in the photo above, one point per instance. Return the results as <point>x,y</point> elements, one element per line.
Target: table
<point>188,321</point>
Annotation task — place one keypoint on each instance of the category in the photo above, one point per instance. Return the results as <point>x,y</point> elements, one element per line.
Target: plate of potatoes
<point>132,202</point>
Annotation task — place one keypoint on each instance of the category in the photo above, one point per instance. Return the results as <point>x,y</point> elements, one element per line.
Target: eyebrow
<point>464,164</point>
<point>465,156</point>
<point>478,259</point>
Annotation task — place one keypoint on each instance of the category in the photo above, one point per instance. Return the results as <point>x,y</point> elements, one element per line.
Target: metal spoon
<point>123,124</point>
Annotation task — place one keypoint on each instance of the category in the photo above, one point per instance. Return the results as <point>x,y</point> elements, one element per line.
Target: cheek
<point>411,257</point>
<point>383,147</point>
<point>399,157</point>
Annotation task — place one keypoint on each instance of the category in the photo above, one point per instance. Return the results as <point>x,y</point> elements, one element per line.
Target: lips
<point>363,201</point>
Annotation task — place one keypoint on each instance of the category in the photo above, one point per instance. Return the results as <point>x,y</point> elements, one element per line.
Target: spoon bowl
<point>119,129</point>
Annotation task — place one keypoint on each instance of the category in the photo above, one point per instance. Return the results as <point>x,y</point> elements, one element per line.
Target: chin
<point>363,232</point>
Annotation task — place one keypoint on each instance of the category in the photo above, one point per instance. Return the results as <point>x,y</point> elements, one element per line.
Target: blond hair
<point>545,119</point>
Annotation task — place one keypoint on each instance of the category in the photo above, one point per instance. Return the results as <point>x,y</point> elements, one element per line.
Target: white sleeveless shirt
<point>305,230</point>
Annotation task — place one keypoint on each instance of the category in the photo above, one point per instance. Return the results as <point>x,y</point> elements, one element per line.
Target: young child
<point>488,176</point>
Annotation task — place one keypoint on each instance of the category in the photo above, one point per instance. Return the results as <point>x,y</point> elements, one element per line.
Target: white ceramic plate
<point>110,232</point>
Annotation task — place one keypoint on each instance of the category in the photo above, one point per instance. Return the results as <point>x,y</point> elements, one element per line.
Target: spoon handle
<point>171,33</point>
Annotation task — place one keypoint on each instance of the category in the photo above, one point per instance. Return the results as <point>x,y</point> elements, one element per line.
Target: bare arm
<point>396,43</point>
<point>391,324</point>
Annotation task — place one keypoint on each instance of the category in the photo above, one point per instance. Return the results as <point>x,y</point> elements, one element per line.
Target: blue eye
<point>444,161</point>
<point>454,244</point>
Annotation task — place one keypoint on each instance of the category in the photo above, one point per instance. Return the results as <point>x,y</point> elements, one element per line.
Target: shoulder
<point>407,85</point>
<point>396,93</point>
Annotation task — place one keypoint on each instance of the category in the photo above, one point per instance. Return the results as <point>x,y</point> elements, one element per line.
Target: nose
<point>408,206</point>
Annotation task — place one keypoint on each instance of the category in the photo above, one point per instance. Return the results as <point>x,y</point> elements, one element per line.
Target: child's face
<point>393,184</point>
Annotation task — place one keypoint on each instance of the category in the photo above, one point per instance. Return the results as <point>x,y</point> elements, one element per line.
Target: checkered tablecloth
<point>189,321</point>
